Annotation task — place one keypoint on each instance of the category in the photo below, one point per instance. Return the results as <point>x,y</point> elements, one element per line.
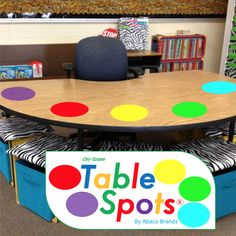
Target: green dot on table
<point>189,109</point>
<point>194,188</point>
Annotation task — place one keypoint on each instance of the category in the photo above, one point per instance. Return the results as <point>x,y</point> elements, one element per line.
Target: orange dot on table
<point>69,109</point>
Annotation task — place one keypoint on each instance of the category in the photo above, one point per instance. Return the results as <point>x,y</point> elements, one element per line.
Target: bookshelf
<point>180,52</point>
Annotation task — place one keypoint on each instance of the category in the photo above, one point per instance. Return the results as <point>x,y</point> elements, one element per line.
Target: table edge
<point>136,129</point>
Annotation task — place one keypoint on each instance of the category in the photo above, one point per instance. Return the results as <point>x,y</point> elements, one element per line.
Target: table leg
<point>80,139</point>
<point>231,131</point>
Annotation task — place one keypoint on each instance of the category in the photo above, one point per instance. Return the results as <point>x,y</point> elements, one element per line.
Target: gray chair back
<point>101,59</point>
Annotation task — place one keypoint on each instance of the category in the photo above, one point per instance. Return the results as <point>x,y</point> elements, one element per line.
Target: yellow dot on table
<point>129,112</point>
<point>169,171</point>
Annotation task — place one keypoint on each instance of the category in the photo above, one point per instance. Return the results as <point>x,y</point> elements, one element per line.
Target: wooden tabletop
<point>158,93</point>
<point>146,53</point>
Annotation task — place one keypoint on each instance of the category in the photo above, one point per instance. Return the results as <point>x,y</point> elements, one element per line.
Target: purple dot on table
<point>18,93</point>
<point>82,204</point>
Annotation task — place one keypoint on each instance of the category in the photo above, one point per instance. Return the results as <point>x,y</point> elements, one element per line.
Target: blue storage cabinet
<point>225,193</point>
<point>31,187</point>
<point>5,167</point>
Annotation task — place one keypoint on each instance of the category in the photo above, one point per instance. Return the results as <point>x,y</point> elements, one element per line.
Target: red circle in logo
<point>64,177</point>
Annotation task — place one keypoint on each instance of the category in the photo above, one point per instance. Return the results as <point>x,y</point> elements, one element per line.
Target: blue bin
<point>32,189</point>
<point>225,193</point>
<point>5,167</point>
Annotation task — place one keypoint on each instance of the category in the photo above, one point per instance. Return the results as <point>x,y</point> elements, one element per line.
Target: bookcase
<point>180,52</point>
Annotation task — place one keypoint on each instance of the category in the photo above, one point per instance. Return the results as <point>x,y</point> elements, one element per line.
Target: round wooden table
<point>156,93</point>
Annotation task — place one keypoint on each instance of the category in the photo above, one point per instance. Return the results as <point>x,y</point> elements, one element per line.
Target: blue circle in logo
<point>194,214</point>
<point>219,87</point>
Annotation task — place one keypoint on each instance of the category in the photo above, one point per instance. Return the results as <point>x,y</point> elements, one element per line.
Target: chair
<point>102,59</point>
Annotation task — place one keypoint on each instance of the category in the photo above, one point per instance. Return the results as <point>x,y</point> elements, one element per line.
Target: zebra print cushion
<point>216,154</point>
<point>217,130</point>
<point>15,127</point>
<point>134,32</point>
<point>34,151</point>
<point>114,145</point>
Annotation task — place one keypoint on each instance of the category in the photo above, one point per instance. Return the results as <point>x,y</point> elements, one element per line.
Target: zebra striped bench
<point>15,128</point>
<point>34,151</point>
<point>29,161</point>
<point>14,131</point>
<point>115,145</point>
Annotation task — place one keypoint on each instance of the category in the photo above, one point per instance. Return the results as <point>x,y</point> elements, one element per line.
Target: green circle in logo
<point>194,189</point>
<point>189,109</point>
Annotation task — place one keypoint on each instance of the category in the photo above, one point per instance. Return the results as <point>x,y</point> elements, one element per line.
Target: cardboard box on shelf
<point>24,71</point>
<point>7,72</point>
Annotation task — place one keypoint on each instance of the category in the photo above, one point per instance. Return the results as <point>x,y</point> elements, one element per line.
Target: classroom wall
<point>51,33</point>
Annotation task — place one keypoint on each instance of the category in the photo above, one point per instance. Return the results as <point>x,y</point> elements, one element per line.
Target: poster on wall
<point>228,58</point>
<point>230,67</point>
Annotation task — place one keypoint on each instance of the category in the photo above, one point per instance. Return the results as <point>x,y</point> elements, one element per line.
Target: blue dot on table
<point>194,214</point>
<point>219,87</point>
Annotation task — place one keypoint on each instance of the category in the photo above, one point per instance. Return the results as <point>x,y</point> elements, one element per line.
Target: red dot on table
<point>65,177</point>
<point>69,109</point>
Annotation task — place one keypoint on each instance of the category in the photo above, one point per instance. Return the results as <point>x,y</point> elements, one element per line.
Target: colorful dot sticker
<point>18,93</point>
<point>189,109</point>
<point>129,112</point>
<point>219,87</point>
<point>69,109</point>
<point>170,171</point>
<point>193,214</point>
<point>65,177</point>
<point>82,204</point>
<point>195,189</point>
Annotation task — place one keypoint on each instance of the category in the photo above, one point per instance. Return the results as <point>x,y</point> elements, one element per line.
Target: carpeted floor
<point>17,221</point>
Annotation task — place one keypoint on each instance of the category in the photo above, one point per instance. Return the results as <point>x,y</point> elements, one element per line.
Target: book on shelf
<point>180,52</point>
<point>185,64</point>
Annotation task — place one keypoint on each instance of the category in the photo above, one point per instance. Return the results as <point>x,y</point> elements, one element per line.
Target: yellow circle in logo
<point>129,112</point>
<point>170,171</point>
